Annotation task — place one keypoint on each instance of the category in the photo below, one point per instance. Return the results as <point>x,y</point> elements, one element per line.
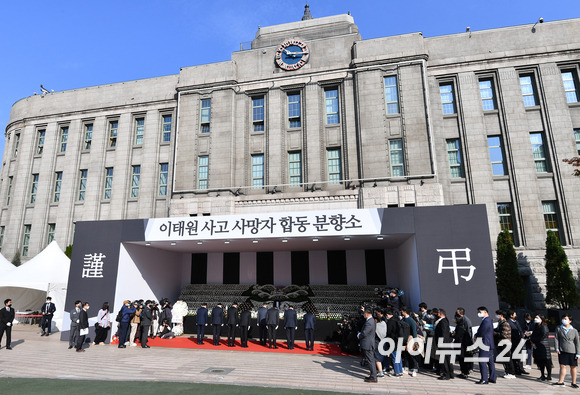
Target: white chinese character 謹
<point>454,258</point>
<point>93,265</point>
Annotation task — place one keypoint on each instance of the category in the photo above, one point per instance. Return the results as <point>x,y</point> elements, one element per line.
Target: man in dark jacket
<point>83,326</point>
<point>485,333</point>
<point>217,321</point>
<point>201,321</point>
<point>47,311</point>
<point>290,323</point>
<point>516,338</point>
<point>244,325</point>
<point>367,344</point>
<point>7,314</point>
<point>126,312</point>
<point>262,311</point>
<point>443,332</point>
<point>503,331</point>
<point>146,320</point>
<point>74,324</point>
<point>272,320</point>
<point>309,323</point>
<point>232,321</point>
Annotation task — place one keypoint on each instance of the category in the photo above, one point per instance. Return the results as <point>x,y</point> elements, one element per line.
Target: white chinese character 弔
<point>454,258</point>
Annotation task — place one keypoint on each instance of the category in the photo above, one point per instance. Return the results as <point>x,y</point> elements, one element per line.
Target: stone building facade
<point>313,117</point>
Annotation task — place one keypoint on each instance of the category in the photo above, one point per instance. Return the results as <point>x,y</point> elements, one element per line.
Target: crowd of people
<point>433,341</point>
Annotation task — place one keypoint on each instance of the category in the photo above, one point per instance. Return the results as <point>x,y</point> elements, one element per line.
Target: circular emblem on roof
<point>292,54</point>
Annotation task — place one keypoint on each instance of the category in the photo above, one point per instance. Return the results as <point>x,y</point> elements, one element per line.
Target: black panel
<point>300,267</point>
<point>375,267</point>
<point>231,268</point>
<point>199,268</point>
<point>336,266</point>
<point>265,268</point>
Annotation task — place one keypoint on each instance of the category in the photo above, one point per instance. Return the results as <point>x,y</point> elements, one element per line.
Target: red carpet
<point>299,347</point>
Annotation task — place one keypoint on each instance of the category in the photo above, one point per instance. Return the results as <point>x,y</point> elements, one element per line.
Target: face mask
<point>565,322</point>
<point>528,321</point>
<point>400,317</point>
<point>480,315</point>
<point>537,320</point>
<point>497,317</point>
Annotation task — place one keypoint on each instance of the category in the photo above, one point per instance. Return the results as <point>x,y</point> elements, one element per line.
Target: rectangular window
<point>205,115</point>
<point>50,234</point>
<point>539,151</point>
<point>34,188</point>
<point>454,157</point>
<point>331,104</point>
<point>166,128</point>
<point>16,143</point>
<point>1,237</point>
<point>577,138</point>
<point>397,158</point>
<point>83,175</point>
<point>113,126</point>
<point>202,172</point>
<point>257,171</point>
<point>294,110</point>
<point>528,90</point>
<point>258,113</point>
<point>295,168</point>
<point>506,221</point>
<point>40,141</point>
<point>139,130</point>
<point>334,166</point>
<point>63,138</point>
<point>88,138</point>
<point>487,97</point>
<point>135,180</point>
<point>163,177</point>
<point>9,191</point>
<point>26,239</point>
<point>447,98</point>
<point>496,155</point>
<point>108,183</point>
<point>551,217</point>
<point>570,80</point>
<point>57,186</point>
<point>391,95</point>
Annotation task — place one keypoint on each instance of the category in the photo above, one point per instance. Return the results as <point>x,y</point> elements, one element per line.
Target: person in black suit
<point>74,325</point>
<point>146,321</point>
<point>232,322</point>
<point>443,332</point>
<point>309,323</point>
<point>47,311</point>
<point>217,321</point>
<point>272,320</point>
<point>262,311</point>
<point>201,321</point>
<point>6,317</point>
<point>290,323</point>
<point>83,326</point>
<point>517,335</point>
<point>244,325</point>
<point>366,337</point>
<point>485,333</point>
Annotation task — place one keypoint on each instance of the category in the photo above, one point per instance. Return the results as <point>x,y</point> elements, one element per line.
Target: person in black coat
<point>462,335</point>
<point>217,321</point>
<point>290,323</point>
<point>7,314</point>
<point>367,344</point>
<point>47,311</point>
<point>201,321</point>
<point>83,326</point>
<point>541,346</point>
<point>443,332</point>
<point>309,323</point>
<point>262,311</point>
<point>232,321</point>
<point>517,336</point>
<point>244,325</point>
<point>146,321</point>
<point>272,320</point>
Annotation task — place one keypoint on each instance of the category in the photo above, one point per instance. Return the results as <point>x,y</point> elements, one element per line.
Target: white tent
<point>44,275</point>
<point>5,266</point>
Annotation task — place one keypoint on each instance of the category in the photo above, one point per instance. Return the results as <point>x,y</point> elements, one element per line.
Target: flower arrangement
<point>179,311</point>
<point>177,330</point>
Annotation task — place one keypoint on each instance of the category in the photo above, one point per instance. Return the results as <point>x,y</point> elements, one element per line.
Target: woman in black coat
<point>541,347</point>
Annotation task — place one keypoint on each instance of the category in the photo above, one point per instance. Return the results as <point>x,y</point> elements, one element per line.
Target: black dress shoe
<point>122,346</point>
<point>369,380</point>
<point>443,378</point>
<point>69,347</point>
<point>145,347</point>
<point>481,382</point>
<point>9,348</point>
<point>492,381</point>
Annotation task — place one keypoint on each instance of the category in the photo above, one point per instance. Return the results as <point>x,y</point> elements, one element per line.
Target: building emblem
<point>292,55</point>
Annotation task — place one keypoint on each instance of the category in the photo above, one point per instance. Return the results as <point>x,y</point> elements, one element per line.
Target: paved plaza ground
<point>36,357</point>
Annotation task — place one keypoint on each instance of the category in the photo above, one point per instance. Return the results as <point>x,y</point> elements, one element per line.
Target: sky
<point>66,44</point>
